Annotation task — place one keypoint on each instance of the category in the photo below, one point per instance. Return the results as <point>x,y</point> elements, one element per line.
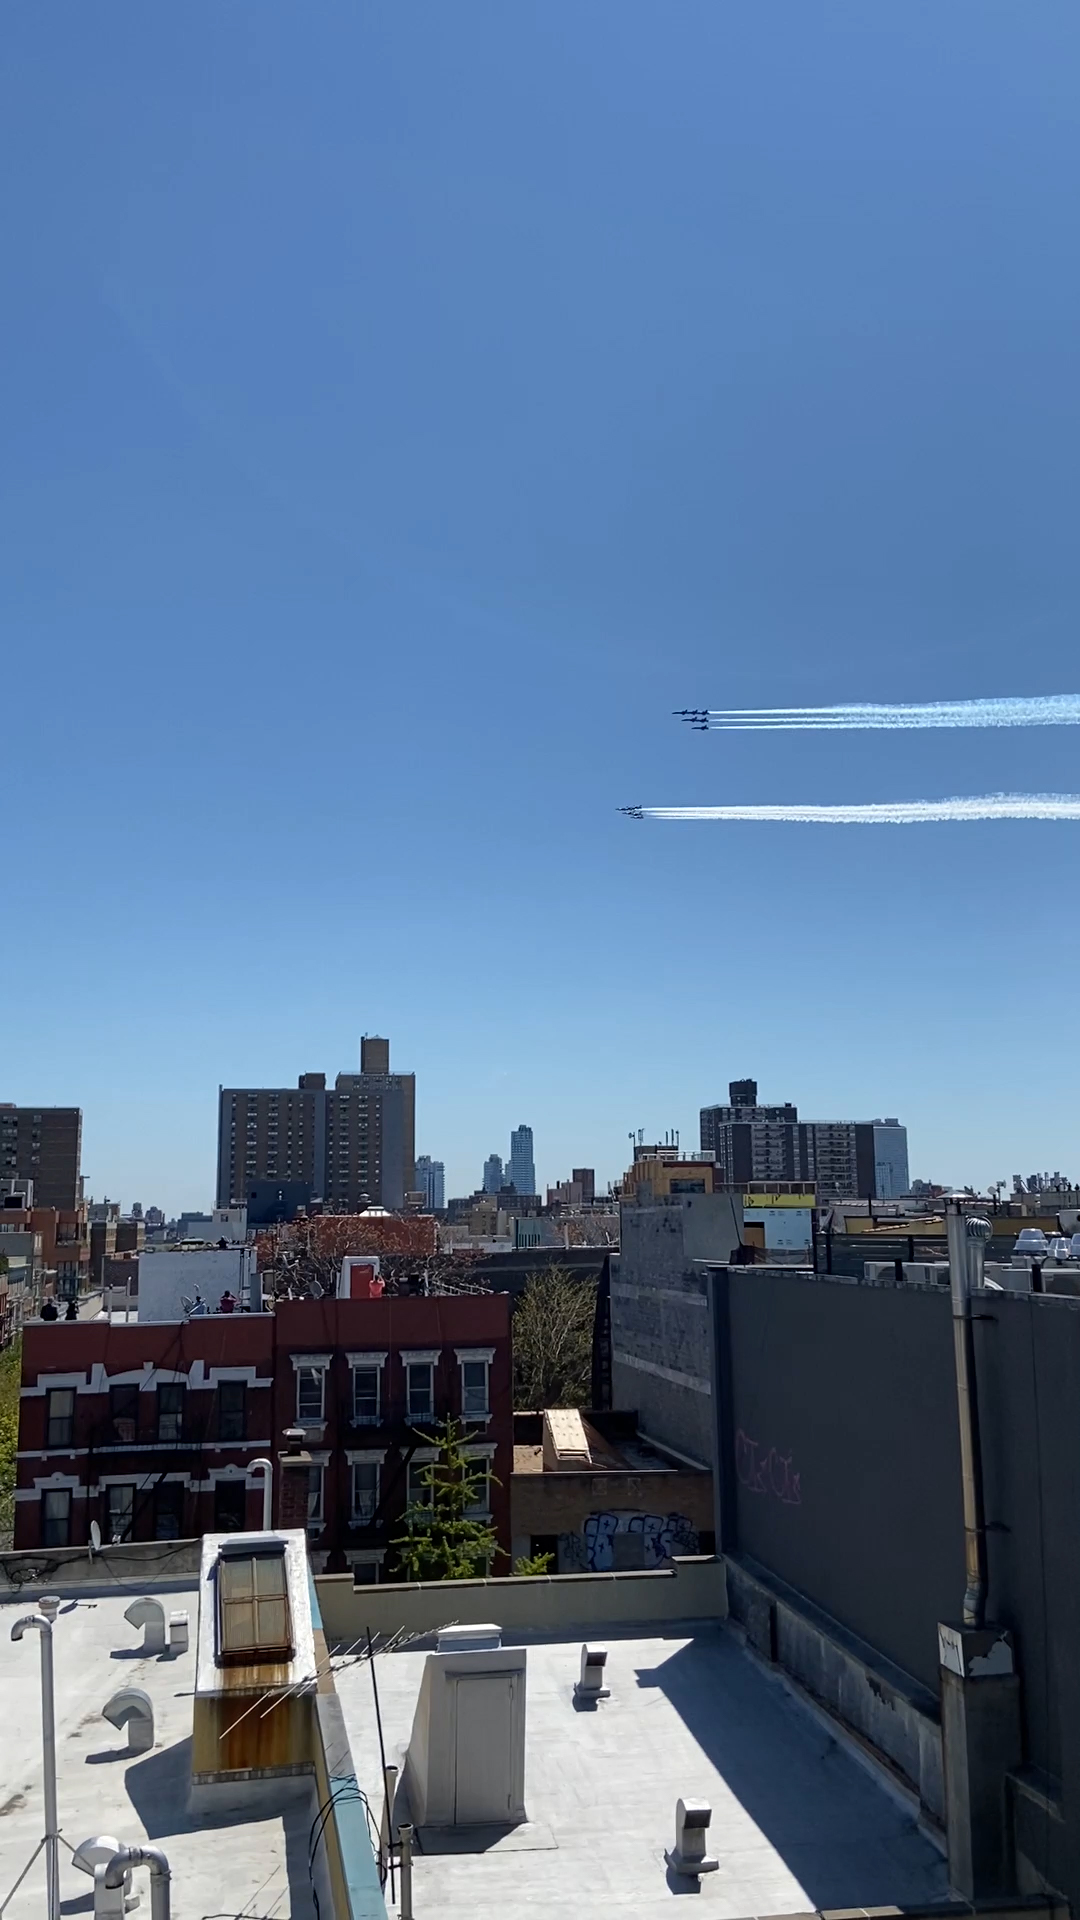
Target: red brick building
<point>367,1380</point>
<point>151,1430</point>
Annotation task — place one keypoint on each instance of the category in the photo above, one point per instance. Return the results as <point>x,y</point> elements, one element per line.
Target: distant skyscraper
<point>522,1169</point>
<point>493,1173</point>
<point>431,1182</point>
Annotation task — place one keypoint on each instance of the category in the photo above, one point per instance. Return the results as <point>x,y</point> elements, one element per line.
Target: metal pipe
<point>268,1490</point>
<point>48,1752</point>
<point>160,1876</point>
<point>405,1839</point>
<point>968,1411</point>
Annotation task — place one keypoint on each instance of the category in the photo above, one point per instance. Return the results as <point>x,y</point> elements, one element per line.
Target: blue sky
<point>406,407</point>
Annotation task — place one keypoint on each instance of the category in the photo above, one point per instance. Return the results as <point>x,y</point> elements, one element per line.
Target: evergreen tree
<point>442,1540</point>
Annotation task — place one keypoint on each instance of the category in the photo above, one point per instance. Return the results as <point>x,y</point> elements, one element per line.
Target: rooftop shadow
<point>846,1840</point>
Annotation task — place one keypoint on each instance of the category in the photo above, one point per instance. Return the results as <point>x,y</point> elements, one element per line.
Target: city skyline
<point>631,370</point>
<point>609,1155</point>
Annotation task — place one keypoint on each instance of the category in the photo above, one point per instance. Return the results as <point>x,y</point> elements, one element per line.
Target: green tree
<point>532,1565</point>
<point>442,1539</point>
<point>553,1341</point>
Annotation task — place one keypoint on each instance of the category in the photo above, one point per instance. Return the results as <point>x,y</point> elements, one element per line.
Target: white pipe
<point>48,1749</point>
<point>405,1841</point>
<point>160,1876</point>
<point>268,1490</point>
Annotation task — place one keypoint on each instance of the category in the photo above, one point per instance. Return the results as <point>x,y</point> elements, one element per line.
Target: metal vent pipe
<point>968,1235</point>
<point>160,1876</point>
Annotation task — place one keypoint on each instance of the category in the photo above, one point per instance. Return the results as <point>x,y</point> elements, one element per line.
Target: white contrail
<point>1034,710</point>
<point>889,813</point>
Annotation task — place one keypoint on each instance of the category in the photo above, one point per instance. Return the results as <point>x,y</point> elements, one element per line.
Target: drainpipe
<point>48,1749</point>
<point>968,1235</point>
<point>160,1876</point>
<point>268,1491</point>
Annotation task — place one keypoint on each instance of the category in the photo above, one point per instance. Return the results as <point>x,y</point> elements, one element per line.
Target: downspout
<point>968,1235</point>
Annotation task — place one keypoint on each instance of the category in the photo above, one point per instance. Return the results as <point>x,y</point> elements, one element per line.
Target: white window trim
<point>315,1363</point>
<point>317,1521</point>
<point>422,1457</point>
<point>355,1518</point>
<point>364,1454</point>
<point>373,1363</point>
<point>420,1356</point>
<point>476,1357</point>
<point>365,1556</point>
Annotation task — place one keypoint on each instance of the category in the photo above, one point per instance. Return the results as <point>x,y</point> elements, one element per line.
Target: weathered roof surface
<point>219,1867</point>
<point>798,1823</point>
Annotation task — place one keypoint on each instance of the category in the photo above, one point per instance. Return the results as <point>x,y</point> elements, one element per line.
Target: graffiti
<point>764,1470</point>
<point>593,1550</point>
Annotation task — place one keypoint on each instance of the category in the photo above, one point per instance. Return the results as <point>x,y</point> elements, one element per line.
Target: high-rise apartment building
<point>844,1158</point>
<point>353,1144</point>
<point>431,1182</point>
<point>493,1173</point>
<point>882,1159</point>
<point>522,1174</point>
<point>43,1144</point>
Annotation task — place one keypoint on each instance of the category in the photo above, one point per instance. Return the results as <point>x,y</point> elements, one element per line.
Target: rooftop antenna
<point>50,1839</point>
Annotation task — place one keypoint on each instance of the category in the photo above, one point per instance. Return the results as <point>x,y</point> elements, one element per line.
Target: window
<point>418,1486</point>
<point>479,1471</point>
<point>365,1572</point>
<point>474,1389</point>
<point>123,1413</point>
<point>232,1410</point>
<point>366,1382</point>
<point>119,1512</point>
<point>59,1416</point>
<point>419,1389</point>
<point>315,1498</point>
<point>230,1505</point>
<point>309,1396</point>
<point>169,1510</point>
<point>253,1608</point>
<point>170,1411</point>
<point>56,1517</point>
<point>365,1492</point>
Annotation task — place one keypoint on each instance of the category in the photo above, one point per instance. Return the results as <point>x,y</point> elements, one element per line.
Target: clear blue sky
<point>405,407</point>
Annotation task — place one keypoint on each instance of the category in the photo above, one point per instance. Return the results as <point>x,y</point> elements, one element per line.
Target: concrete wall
<point>554,1603</point>
<point>840,1452</point>
<point>839,1490</point>
<point>660,1318</point>
<point>1028,1368</point>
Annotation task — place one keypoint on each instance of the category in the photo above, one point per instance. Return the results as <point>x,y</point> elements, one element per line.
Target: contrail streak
<point>1035,710</point>
<point>887,813</point>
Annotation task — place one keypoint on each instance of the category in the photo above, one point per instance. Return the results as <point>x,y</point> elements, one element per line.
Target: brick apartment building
<point>151,1429</point>
<point>367,1380</point>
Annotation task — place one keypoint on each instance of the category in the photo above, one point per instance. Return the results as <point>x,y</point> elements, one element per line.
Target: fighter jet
<point>633,813</point>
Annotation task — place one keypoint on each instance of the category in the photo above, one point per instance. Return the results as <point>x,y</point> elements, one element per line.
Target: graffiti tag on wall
<point>592,1550</point>
<point>764,1470</point>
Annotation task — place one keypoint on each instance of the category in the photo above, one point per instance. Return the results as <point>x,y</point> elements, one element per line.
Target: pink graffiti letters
<point>764,1470</point>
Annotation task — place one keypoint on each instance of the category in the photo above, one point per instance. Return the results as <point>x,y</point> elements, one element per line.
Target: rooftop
<point>255,1860</point>
<point>799,1821</point>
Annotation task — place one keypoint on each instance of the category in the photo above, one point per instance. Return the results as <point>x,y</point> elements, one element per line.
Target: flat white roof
<point>218,1867</point>
<point>798,1822</point>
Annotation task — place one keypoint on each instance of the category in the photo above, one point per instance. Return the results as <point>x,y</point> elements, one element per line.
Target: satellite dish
<point>95,1538</point>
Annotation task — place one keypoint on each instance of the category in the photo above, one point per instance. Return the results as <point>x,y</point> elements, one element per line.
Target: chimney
<point>294,1478</point>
